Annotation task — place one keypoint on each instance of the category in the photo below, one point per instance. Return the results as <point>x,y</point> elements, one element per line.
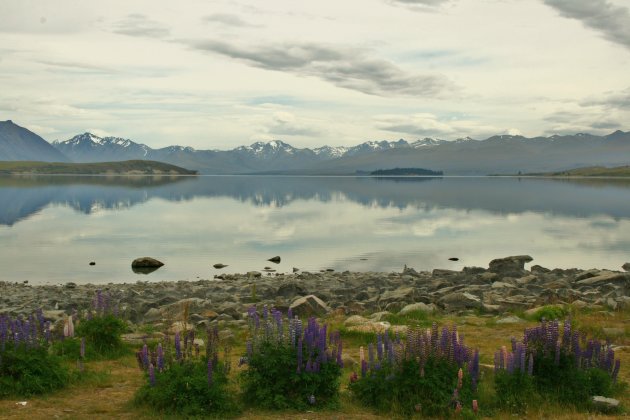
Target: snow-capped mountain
<point>88,147</point>
<point>426,142</point>
<point>497,154</point>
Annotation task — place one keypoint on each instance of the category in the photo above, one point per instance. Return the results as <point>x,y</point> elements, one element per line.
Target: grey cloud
<point>619,100</point>
<point>612,21</point>
<point>606,124</point>
<point>228,20</point>
<point>416,130</point>
<point>347,68</point>
<point>139,25</point>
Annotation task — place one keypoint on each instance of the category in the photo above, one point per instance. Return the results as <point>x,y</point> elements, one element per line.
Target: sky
<point>217,74</point>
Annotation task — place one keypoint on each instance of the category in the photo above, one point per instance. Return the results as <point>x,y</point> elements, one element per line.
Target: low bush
<point>289,366</point>
<point>102,328</point>
<point>26,366</point>
<point>560,366</point>
<point>181,381</point>
<point>429,372</point>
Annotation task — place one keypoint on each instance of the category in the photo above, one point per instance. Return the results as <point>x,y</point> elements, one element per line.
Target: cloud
<point>139,25</point>
<point>619,100</point>
<point>344,67</point>
<point>419,5</point>
<point>612,21</point>
<point>228,20</point>
<point>430,125</point>
<point>285,123</point>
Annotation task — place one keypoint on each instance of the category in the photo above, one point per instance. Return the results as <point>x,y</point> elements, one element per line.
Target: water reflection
<point>23,196</point>
<point>51,227</point>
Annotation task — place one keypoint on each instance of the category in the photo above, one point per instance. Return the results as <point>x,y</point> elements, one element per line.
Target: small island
<point>406,172</point>
<point>128,167</point>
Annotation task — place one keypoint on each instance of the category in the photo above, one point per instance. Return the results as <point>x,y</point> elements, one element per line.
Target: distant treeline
<point>406,172</point>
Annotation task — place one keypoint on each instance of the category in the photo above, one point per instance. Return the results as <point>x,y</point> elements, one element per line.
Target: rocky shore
<point>504,286</point>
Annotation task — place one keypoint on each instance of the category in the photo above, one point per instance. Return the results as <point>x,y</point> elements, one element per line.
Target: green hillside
<point>128,167</point>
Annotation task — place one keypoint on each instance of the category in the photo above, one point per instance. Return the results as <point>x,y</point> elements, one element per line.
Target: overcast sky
<point>215,74</point>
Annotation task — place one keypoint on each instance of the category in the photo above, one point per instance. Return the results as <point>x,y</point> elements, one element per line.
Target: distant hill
<point>18,143</point>
<point>130,167</point>
<point>594,171</point>
<point>406,172</point>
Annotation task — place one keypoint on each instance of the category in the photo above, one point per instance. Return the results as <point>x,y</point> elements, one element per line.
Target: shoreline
<point>505,286</point>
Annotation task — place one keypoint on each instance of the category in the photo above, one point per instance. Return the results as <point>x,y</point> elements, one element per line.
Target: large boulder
<point>626,266</point>
<point>459,301</point>
<point>507,266</point>
<point>604,278</point>
<point>417,307</point>
<point>146,262</point>
<point>309,305</point>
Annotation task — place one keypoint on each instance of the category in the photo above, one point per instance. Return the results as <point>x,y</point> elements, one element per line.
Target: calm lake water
<point>52,227</point>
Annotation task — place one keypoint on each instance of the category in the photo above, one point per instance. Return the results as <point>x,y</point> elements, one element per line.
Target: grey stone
<point>419,306</point>
<point>146,262</point>
<point>606,277</point>
<point>510,320</point>
<point>513,264</point>
<point>459,300</point>
<point>152,315</point>
<point>403,294</point>
<point>605,404</point>
<point>309,306</point>
<point>626,266</point>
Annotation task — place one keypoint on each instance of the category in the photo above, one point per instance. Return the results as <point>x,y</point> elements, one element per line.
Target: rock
<point>494,309</point>
<point>54,315</point>
<point>403,294</point>
<point>419,306</point>
<point>605,404</point>
<point>254,274</point>
<point>605,277</point>
<point>626,266</point>
<point>379,316</point>
<point>458,301</point>
<point>219,266</point>
<point>508,265</point>
<point>92,263</point>
<point>439,272</point>
<point>538,269</point>
<point>71,285</point>
<point>179,326</point>
<point>453,259</point>
<point>295,269</point>
<point>146,262</point>
<point>502,285</point>
<point>355,320</point>
<point>309,305</point>
<point>152,315</point>
<point>275,259</point>
<point>510,320</point>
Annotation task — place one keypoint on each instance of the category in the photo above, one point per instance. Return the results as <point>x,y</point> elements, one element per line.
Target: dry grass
<point>111,398</point>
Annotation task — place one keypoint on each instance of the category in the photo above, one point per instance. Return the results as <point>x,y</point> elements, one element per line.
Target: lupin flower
<point>460,377</point>
<point>178,347</point>
<point>160,357</point>
<point>82,351</point>
<point>209,372</point>
<point>151,375</point>
<point>475,406</point>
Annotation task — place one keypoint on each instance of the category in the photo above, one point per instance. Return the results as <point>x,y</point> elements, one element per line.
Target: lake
<point>52,227</point>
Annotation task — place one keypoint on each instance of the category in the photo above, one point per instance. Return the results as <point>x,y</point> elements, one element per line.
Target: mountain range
<point>501,154</point>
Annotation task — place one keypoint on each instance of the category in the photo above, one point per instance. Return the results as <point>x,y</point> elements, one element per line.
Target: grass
<point>108,391</point>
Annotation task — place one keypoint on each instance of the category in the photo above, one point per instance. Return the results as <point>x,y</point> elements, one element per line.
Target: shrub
<point>183,382</point>
<point>289,366</point>
<point>549,313</point>
<point>103,328</point>
<point>429,372</point>
<point>26,366</point>
<point>563,367</point>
